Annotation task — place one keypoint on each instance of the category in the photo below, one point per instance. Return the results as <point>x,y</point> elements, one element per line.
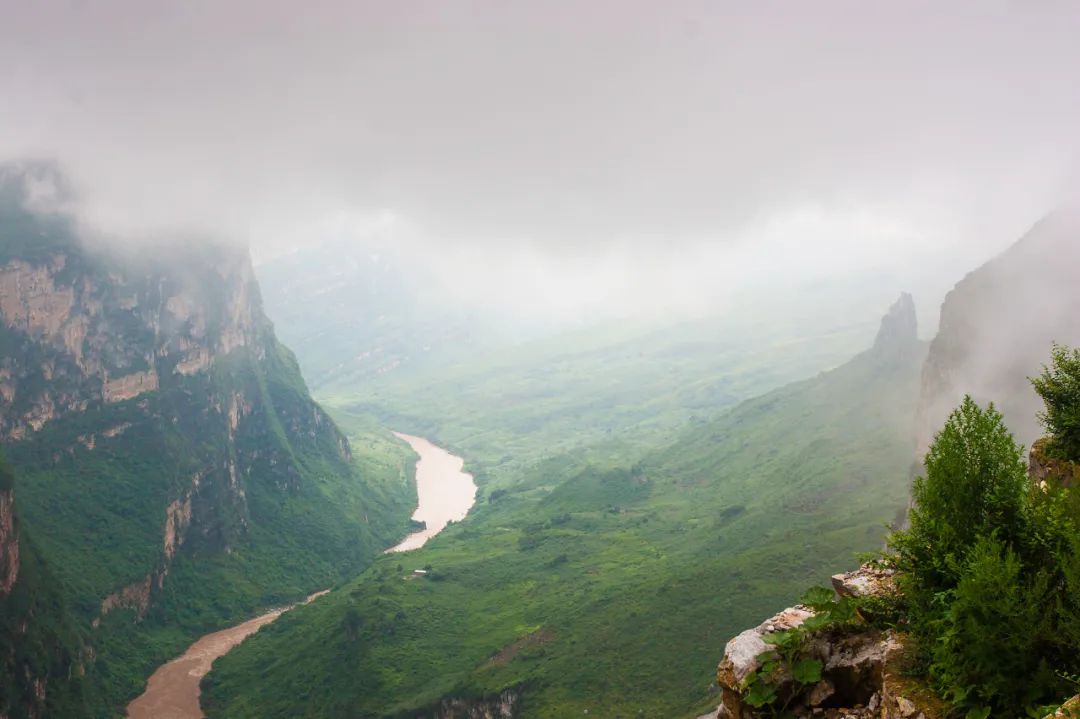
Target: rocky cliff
<point>866,672</point>
<point>79,336</point>
<point>114,341</point>
<point>38,642</point>
<point>171,461</point>
<point>863,675</point>
<point>898,336</point>
<point>997,326</point>
<point>504,705</point>
<point>9,542</point>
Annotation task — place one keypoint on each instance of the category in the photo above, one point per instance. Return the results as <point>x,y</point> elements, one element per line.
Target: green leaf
<point>808,671</point>
<point>978,713</point>
<point>779,639</point>
<point>843,612</point>
<point>760,694</point>
<point>818,597</point>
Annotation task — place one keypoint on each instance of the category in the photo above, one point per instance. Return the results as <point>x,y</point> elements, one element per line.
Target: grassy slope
<point>608,579</point>
<point>510,408</point>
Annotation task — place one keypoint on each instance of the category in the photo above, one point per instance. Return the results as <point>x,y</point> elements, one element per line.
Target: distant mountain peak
<point>899,326</point>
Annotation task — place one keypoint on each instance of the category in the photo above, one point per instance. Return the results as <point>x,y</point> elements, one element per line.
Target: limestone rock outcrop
<point>866,581</point>
<point>861,674</point>
<point>505,705</point>
<point>1043,468</point>
<point>88,336</point>
<point>742,652</point>
<point>1068,710</point>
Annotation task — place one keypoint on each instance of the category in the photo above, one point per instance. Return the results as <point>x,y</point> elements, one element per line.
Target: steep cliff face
<point>9,543</point>
<point>898,336</point>
<point>37,640</point>
<point>997,326</point>
<point>134,340</point>
<point>171,461</point>
<point>79,335</point>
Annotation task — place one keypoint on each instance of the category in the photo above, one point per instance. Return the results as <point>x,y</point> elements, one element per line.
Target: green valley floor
<point>604,579</point>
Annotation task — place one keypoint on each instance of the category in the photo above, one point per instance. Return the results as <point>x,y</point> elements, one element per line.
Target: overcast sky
<point>687,142</point>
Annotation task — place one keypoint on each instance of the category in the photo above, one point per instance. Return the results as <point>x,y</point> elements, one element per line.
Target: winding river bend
<point>445,493</point>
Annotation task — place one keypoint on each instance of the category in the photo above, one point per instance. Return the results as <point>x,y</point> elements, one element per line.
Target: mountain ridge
<point>173,470</point>
<point>997,325</point>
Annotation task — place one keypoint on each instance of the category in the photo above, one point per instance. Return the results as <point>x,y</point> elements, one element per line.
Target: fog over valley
<point>539,359</point>
<point>610,158</point>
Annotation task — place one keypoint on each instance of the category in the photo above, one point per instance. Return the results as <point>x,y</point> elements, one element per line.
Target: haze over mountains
<point>998,322</point>
<point>688,287</point>
<point>116,361</point>
<point>559,156</point>
<point>172,473</point>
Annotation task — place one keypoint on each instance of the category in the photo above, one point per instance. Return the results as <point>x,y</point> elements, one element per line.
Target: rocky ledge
<point>867,581</point>
<point>860,675</point>
<point>1069,710</point>
<point>1043,467</point>
<point>504,705</point>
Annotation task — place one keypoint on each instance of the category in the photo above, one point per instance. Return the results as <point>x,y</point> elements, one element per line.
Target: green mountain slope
<point>637,385</point>
<point>38,638</point>
<point>607,580</point>
<point>174,473</point>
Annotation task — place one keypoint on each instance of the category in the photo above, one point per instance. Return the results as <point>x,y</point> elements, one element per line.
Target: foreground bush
<point>992,572</point>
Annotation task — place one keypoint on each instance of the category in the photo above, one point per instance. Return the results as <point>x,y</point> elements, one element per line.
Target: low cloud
<point>586,149</point>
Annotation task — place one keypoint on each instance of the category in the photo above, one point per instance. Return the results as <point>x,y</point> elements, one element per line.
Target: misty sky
<point>580,150</point>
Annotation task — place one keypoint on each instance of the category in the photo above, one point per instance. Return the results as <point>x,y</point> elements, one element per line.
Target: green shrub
<point>1059,387</point>
<point>994,632</point>
<point>975,485</point>
<point>991,572</point>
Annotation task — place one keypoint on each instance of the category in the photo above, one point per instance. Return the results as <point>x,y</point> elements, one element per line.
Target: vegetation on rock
<point>991,561</point>
<point>987,585</point>
<point>1059,387</point>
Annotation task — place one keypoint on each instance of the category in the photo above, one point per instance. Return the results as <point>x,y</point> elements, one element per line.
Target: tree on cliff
<point>975,485</point>
<point>992,570</point>
<point>1059,387</point>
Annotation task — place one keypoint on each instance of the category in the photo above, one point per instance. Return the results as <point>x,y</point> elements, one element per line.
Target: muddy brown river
<point>445,493</point>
